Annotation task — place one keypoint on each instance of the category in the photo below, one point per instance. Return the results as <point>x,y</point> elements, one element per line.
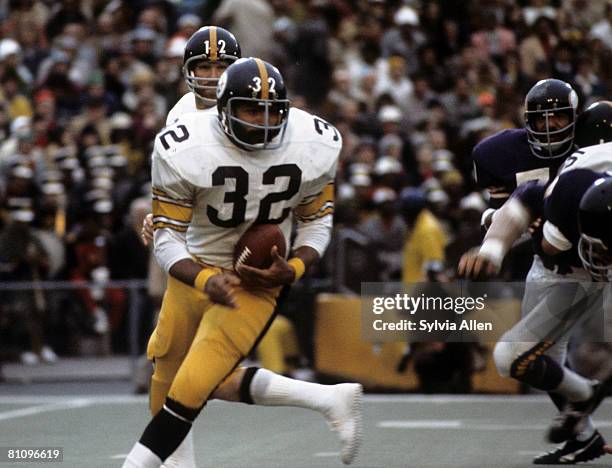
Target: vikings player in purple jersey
<point>571,284</point>
<point>510,158</point>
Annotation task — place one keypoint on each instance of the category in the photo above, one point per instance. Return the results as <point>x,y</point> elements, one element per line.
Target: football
<point>253,248</point>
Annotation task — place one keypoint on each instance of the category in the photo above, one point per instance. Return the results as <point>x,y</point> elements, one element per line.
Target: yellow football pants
<point>197,344</point>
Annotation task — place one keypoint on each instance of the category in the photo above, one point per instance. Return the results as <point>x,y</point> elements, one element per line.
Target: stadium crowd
<point>411,85</point>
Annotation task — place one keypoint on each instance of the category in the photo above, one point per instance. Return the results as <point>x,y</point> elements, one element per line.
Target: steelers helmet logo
<point>221,85</point>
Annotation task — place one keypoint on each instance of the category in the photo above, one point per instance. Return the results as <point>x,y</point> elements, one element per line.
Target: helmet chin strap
<point>204,102</point>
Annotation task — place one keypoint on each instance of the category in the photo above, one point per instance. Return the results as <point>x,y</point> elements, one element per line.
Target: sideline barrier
<point>132,287</point>
<point>340,351</point>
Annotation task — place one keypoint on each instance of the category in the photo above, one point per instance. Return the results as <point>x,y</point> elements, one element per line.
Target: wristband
<point>203,276</point>
<point>298,265</point>
<point>494,251</point>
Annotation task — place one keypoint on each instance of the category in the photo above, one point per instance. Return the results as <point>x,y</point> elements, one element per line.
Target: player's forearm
<point>314,234</point>
<point>303,257</point>
<point>185,270</point>
<point>308,255</point>
<point>169,247</point>
<point>509,223</point>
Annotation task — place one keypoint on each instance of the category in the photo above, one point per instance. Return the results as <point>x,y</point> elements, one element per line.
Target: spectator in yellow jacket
<point>426,239</point>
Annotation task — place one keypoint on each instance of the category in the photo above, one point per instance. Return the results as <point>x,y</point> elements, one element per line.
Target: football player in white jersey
<point>534,350</point>
<point>208,52</point>
<point>213,177</point>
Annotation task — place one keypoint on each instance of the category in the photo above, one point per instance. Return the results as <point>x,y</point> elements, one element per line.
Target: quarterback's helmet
<point>251,83</point>
<point>595,219</point>
<point>594,125</point>
<point>545,99</point>
<point>210,44</point>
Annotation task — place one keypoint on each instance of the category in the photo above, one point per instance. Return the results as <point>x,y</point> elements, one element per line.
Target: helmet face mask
<point>548,103</point>
<point>596,258</point>
<point>204,87</point>
<point>251,133</point>
<point>595,221</point>
<point>252,106</point>
<point>212,46</point>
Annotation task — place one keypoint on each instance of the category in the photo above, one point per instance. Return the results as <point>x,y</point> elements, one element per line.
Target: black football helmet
<point>594,125</point>
<point>251,82</point>
<point>545,99</point>
<point>595,219</point>
<point>210,44</point>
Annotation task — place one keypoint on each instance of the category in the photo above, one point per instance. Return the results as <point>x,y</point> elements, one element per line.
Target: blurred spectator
<point>55,78</point>
<point>252,22</point>
<point>11,63</point>
<point>23,258</point>
<point>493,39</point>
<point>392,79</point>
<point>405,38</point>
<point>426,239</point>
<point>18,105</point>
<point>588,85</point>
<point>603,28</point>
<point>386,232</point>
<point>536,9</point>
<point>311,53</point>
<point>539,45</point>
<point>129,259</point>
<point>65,12</point>
<point>186,25</point>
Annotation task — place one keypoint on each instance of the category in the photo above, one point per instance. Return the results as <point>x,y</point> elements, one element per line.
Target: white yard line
<point>326,454</point>
<point>60,399</point>
<point>421,424</point>
<point>475,426</point>
<point>444,399</point>
<point>45,408</point>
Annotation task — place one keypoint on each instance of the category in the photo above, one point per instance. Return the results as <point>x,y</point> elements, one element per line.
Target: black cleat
<point>565,425</point>
<point>574,451</point>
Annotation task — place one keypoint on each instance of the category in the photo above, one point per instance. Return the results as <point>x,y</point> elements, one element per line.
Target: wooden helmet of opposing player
<point>595,219</point>
<point>213,45</point>
<point>259,86</point>
<point>544,100</point>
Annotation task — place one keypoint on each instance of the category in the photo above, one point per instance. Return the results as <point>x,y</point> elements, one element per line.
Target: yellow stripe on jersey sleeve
<point>169,212</point>
<point>159,224</point>
<point>159,194</point>
<point>318,206</point>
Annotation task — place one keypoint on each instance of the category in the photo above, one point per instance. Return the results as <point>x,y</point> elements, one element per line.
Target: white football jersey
<point>597,158</point>
<point>184,105</point>
<point>207,187</point>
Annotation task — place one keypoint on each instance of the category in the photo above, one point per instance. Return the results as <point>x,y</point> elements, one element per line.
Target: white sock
<point>574,387</point>
<point>270,389</point>
<point>141,457</point>
<point>184,455</point>
<point>587,430</point>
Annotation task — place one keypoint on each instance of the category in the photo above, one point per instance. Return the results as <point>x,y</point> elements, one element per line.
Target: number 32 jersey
<point>208,191</point>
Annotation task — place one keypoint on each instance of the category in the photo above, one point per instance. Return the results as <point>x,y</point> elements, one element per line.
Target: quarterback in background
<point>208,52</point>
<point>214,176</point>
